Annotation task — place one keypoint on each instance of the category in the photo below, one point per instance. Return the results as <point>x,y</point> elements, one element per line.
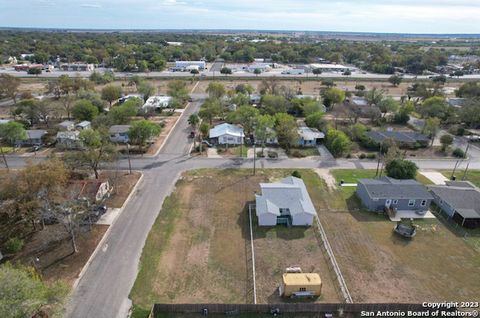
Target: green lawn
<point>352,175</point>
<point>472,175</point>
<point>6,149</point>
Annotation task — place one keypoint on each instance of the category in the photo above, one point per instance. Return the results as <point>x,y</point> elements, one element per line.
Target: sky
<point>390,16</point>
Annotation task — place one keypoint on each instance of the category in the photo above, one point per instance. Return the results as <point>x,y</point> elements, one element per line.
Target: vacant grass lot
<point>472,175</point>
<point>198,249</point>
<point>381,267</point>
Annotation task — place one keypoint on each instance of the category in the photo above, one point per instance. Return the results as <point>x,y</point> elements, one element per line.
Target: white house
<point>310,137</point>
<point>285,202</point>
<point>263,67</point>
<point>182,65</point>
<point>119,133</point>
<point>157,102</point>
<point>68,139</point>
<point>83,125</point>
<point>227,134</point>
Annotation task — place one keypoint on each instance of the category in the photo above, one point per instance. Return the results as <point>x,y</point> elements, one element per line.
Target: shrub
<point>260,154</point>
<point>14,245</point>
<point>371,156</point>
<point>296,174</point>
<point>459,153</point>
<point>362,156</point>
<point>297,154</point>
<point>272,154</point>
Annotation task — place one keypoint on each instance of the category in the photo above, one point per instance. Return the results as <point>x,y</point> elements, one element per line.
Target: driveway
<point>325,154</point>
<point>435,177</point>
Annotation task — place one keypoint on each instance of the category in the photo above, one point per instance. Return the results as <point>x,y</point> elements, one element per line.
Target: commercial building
<point>183,65</point>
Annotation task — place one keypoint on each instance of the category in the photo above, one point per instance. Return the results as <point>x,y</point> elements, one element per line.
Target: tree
<point>257,72</point>
<point>142,131</point>
<point>9,86</point>
<point>388,105</point>
<point>358,132</point>
<point>29,108</point>
<point>194,121</point>
<point>441,79</point>
<point>245,89</point>
<point>333,96</point>
<point>84,110</point>
<point>24,294</point>
<point>146,89</point>
<point>12,132</point>
<point>470,113</point>
<point>204,130</point>
<point>469,90</point>
<point>111,93</point>
<point>431,127</point>
<point>178,89</point>
<point>316,120</point>
<point>337,142</point>
<point>67,104</point>
<point>65,84</point>
<point>446,141</point>
<point>401,169</point>
<point>121,115</point>
<point>216,90</point>
<point>317,71</point>
<point>211,109</point>
<point>287,131</point>
<point>374,96</point>
<point>264,129</point>
<point>246,116</point>
<point>435,106</point>
<point>226,71</point>
<point>310,106</point>
<point>395,80</point>
<point>274,104</point>
<point>97,150</point>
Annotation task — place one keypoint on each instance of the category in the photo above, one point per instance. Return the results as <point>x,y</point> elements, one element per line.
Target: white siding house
<point>285,202</point>
<point>227,134</point>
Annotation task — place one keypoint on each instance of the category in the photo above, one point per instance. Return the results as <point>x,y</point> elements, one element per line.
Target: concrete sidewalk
<point>435,177</point>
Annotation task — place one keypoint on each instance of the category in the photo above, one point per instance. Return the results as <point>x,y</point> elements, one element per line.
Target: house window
<point>411,202</point>
<point>395,201</point>
<point>424,203</point>
<point>284,211</point>
<point>302,289</point>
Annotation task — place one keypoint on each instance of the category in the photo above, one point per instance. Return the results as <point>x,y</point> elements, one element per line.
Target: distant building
<point>68,140</point>
<point>227,134</point>
<point>157,102</point>
<point>119,133</point>
<point>77,67</point>
<point>358,101</point>
<point>456,102</point>
<point>294,71</point>
<point>330,67</point>
<point>83,125</point>
<point>255,99</point>
<point>402,138</point>
<point>310,137</point>
<point>182,65</point>
<point>263,67</point>
<point>285,202</point>
<point>5,121</point>
<point>66,125</point>
<point>34,138</point>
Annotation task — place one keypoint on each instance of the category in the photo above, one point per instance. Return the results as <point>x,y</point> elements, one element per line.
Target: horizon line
<point>233,30</point>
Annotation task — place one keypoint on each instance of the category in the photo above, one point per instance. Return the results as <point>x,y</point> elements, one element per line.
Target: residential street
<point>103,290</point>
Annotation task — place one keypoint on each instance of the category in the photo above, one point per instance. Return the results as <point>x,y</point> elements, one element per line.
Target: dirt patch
<point>123,183</point>
<point>327,177</point>
<point>52,247</point>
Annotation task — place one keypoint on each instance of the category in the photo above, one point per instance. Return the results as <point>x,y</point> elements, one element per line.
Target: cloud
<point>173,3</point>
<point>91,5</point>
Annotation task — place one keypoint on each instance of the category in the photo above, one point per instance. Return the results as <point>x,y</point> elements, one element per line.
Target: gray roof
<point>83,124</point>
<point>35,134</point>
<point>389,188</point>
<point>116,129</point>
<point>66,123</point>
<point>290,193</point>
<point>399,136</point>
<point>73,135</point>
<point>226,129</point>
<point>456,102</point>
<point>359,101</point>
<point>460,196</point>
<point>310,133</point>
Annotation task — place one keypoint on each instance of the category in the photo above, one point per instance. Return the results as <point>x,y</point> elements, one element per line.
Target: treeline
<point>150,51</point>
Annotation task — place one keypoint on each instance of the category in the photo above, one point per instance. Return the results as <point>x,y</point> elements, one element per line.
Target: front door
<point>388,203</point>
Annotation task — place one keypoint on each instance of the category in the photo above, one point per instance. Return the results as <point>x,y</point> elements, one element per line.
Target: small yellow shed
<point>301,285</point>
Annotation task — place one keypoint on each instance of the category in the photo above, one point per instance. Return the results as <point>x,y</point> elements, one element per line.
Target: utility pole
<point>4,158</point>
<point>128,156</point>
<point>254,156</point>
<point>465,172</point>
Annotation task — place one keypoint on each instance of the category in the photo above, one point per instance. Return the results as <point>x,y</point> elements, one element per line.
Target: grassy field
<point>381,267</point>
<point>472,176</point>
<point>197,250</point>
<point>352,175</point>
<point>303,152</point>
